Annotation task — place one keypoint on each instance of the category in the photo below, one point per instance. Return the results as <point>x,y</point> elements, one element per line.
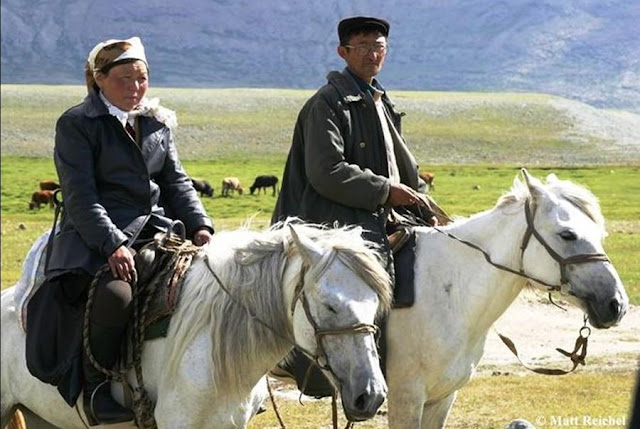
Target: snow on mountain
<point>588,50</point>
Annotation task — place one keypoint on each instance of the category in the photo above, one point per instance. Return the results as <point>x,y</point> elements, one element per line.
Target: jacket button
<point>362,144</point>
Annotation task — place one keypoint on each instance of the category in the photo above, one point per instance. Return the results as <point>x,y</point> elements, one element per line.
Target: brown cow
<point>41,197</point>
<point>231,184</point>
<point>49,185</point>
<point>429,180</point>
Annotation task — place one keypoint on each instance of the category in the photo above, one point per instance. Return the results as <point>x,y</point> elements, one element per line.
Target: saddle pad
<point>31,278</point>
<point>403,261</point>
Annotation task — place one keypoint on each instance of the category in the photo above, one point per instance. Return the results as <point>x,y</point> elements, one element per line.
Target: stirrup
<point>90,413</point>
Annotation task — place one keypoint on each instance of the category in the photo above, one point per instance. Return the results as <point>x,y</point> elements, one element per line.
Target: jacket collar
<point>94,106</point>
<point>349,89</point>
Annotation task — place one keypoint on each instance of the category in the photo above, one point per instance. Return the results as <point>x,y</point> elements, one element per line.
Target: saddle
<point>160,265</point>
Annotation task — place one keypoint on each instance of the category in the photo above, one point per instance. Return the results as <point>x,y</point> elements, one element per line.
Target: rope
<point>275,406</point>
<point>179,254</point>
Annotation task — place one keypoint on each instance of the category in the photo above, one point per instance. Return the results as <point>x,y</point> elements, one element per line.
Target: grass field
<point>475,145</point>
<point>491,402</point>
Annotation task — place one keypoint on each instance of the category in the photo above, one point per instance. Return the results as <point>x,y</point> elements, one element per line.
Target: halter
<point>563,262</point>
<point>531,231</point>
<point>299,294</point>
<point>319,333</point>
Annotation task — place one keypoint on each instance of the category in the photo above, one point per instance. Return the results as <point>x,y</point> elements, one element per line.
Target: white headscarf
<point>125,49</point>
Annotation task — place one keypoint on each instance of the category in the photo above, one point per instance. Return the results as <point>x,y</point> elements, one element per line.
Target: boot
<point>99,405</point>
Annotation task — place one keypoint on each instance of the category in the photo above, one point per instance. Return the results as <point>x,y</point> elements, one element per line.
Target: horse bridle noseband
<point>563,262</point>
<point>320,333</point>
<point>529,232</point>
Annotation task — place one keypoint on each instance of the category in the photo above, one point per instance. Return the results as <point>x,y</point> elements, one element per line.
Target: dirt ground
<point>538,327</point>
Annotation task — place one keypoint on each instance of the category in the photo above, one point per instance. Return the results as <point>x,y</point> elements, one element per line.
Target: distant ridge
<point>588,50</point>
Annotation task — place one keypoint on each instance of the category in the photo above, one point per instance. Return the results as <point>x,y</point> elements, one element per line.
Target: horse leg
<point>434,414</point>
<point>406,402</point>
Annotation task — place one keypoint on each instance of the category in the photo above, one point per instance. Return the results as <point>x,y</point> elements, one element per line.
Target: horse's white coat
<point>220,354</point>
<point>434,347</point>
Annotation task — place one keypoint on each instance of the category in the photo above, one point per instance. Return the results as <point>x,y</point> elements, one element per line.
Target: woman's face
<point>125,85</point>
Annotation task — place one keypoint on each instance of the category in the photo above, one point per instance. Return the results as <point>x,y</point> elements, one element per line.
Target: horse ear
<point>532,183</point>
<point>308,249</point>
<point>552,178</point>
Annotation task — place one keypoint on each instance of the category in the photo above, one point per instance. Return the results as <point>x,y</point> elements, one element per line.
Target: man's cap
<point>113,51</point>
<point>353,25</point>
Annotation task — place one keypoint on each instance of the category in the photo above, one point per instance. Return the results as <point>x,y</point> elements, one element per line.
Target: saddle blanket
<point>31,278</point>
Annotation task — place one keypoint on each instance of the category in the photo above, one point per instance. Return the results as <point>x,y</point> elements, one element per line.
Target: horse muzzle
<point>603,315</point>
<point>363,405</point>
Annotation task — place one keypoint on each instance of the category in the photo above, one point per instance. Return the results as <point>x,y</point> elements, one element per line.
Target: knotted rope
<point>177,255</point>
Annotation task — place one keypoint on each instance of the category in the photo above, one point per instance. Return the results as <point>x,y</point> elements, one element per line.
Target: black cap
<point>354,25</point>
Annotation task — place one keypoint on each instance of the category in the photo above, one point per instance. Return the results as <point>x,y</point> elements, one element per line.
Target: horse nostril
<point>615,307</point>
<point>362,402</point>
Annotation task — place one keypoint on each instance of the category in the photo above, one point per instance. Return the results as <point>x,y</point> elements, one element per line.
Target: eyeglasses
<point>366,48</point>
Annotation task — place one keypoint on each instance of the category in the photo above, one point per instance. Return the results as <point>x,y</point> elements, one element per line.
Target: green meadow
<point>475,144</point>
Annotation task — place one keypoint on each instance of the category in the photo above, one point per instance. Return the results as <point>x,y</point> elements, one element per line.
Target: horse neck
<point>243,349</point>
<point>479,292</point>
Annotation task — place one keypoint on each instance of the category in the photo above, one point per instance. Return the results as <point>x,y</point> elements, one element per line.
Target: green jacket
<point>336,170</point>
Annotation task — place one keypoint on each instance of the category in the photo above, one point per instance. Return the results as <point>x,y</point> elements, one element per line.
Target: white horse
<point>318,289</point>
<point>434,347</point>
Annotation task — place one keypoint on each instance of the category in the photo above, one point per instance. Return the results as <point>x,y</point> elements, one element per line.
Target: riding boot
<point>99,405</point>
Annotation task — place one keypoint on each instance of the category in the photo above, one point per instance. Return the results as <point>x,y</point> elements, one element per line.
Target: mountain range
<point>587,50</point>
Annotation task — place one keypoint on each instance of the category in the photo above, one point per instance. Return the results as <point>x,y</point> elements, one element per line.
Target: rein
<point>299,294</point>
<point>531,231</point>
<point>580,349</point>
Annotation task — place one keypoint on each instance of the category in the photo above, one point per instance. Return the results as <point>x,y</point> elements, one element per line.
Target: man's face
<point>365,54</point>
<point>125,85</point>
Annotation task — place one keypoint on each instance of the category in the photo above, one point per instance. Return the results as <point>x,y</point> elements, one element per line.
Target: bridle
<point>529,232</point>
<point>356,328</point>
<point>579,352</point>
<point>563,262</point>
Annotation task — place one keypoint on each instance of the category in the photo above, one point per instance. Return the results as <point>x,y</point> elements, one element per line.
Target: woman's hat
<point>113,51</point>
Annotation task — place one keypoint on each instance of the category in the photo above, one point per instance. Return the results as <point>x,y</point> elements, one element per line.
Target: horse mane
<point>252,265</point>
<point>576,194</point>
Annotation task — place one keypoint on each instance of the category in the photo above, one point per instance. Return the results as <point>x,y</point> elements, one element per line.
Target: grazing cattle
<point>264,182</point>
<point>429,179</point>
<point>231,184</point>
<point>41,197</point>
<point>49,185</point>
<point>203,187</point>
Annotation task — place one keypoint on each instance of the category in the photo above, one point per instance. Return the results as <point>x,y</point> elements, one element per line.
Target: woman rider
<point>121,178</point>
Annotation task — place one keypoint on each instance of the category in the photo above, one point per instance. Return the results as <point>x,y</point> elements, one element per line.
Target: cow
<point>264,182</point>
<point>429,179</point>
<point>41,197</point>
<point>203,187</point>
<point>49,185</point>
<point>231,184</point>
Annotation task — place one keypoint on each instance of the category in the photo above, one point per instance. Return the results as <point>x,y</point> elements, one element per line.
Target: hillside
<point>585,50</point>
<point>440,127</point>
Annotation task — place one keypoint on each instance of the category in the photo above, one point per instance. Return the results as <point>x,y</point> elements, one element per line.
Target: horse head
<point>568,227</point>
<point>341,290</point>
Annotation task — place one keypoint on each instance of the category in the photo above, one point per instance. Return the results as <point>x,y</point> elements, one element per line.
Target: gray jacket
<point>110,184</point>
<point>337,169</point>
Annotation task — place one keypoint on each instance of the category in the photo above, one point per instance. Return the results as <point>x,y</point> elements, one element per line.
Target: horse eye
<point>331,309</point>
<point>568,235</point>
